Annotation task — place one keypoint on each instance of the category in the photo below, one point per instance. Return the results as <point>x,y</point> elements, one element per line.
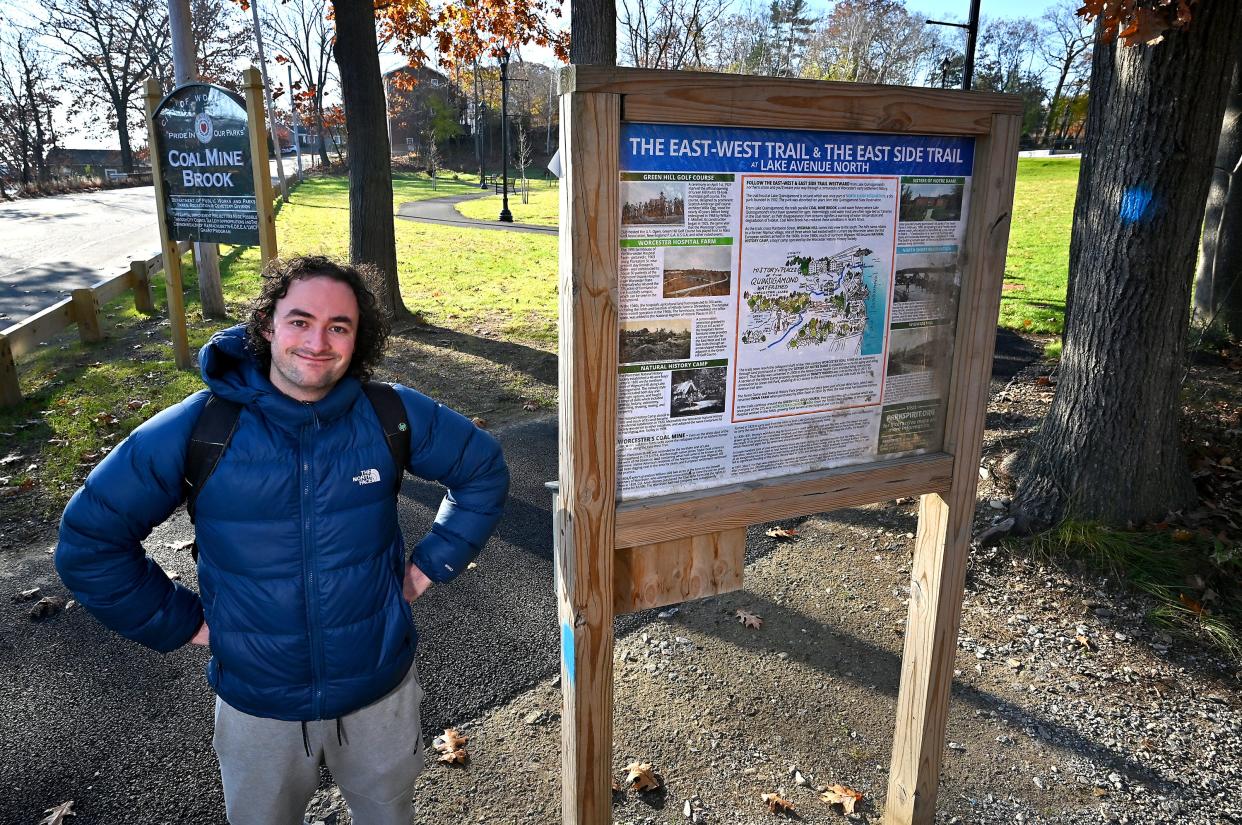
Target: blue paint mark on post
<point>567,652</point>
<point>1134,203</point>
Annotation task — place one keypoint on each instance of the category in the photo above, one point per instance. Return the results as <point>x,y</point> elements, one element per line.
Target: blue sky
<point>958,9</point>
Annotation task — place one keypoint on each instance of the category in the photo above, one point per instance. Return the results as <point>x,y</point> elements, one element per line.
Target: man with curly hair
<point>305,584</point>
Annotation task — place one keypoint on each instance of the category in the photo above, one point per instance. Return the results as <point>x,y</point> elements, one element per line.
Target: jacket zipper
<point>310,563</point>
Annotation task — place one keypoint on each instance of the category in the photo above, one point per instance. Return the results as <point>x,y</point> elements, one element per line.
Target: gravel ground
<point>1123,725</point>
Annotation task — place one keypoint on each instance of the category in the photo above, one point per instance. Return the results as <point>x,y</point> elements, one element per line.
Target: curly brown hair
<point>279,273</point>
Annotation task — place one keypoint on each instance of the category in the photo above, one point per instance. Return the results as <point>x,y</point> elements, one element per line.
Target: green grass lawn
<point>543,209</point>
<point>1037,267</point>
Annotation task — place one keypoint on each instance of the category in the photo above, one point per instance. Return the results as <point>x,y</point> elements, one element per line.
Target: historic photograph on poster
<point>697,392</point>
<point>917,349</point>
<point>924,283</point>
<point>662,340</point>
<point>932,199</point>
<point>695,271</point>
<point>653,202</point>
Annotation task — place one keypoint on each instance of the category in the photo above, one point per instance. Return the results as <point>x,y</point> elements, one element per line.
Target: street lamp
<point>505,215</point>
<point>972,35</point>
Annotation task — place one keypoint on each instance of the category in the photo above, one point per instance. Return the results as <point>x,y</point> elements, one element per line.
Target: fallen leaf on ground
<point>452,747</point>
<point>26,595</point>
<point>481,423</point>
<point>781,533</point>
<point>749,619</point>
<point>1182,536</point>
<point>450,740</point>
<point>457,757</point>
<point>639,775</point>
<point>843,796</point>
<point>530,406</point>
<point>1194,606</point>
<point>178,546</point>
<point>1085,642</point>
<point>135,404</point>
<point>56,816</point>
<point>777,805</point>
<point>45,607</point>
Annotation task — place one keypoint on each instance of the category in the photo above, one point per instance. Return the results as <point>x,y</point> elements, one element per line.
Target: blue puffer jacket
<point>301,558</point>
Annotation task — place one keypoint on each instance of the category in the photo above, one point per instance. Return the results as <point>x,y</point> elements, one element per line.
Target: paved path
<point>443,211</point>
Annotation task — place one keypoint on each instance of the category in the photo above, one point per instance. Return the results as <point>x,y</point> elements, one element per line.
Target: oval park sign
<point>203,145</point>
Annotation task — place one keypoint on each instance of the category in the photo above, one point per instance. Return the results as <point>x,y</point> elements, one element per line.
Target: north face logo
<point>367,477</point>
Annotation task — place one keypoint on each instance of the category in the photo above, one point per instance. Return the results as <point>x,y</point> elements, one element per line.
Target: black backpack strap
<point>208,441</point>
<point>391,413</point>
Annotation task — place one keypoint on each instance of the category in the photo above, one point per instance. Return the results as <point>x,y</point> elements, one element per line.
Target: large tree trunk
<point>593,32</point>
<point>1109,448</point>
<point>122,132</point>
<point>372,238</point>
<point>1218,299</point>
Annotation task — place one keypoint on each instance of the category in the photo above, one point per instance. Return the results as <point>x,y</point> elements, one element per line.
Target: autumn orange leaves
<point>451,746</point>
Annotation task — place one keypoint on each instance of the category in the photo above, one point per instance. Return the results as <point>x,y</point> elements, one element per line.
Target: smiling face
<point>313,331</point>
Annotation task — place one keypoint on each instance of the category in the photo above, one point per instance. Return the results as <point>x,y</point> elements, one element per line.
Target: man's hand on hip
<point>202,637</point>
<point>415,583</point>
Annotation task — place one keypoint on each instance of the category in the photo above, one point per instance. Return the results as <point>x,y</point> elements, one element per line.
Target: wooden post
<point>589,255</point>
<point>10,390</point>
<point>140,282</point>
<point>86,315</point>
<point>942,544</point>
<point>252,83</point>
<point>172,256</point>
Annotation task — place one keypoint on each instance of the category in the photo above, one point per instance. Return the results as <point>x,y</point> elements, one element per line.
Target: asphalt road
<point>51,246</point>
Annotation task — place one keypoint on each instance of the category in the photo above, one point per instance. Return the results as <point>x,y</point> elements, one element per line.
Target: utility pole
<point>271,114</point>
<point>206,255</point>
<point>293,112</point>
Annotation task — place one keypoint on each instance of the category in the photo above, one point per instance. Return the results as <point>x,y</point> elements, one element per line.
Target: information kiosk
<point>778,297</point>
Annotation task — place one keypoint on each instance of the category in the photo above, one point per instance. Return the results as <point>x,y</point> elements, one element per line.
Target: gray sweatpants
<point>268,777</point>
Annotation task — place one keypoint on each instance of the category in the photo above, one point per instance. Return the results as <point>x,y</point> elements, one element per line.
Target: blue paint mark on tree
<point>1135,203</point>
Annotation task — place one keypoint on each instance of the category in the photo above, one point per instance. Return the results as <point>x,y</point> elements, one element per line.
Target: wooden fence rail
<point>81,308</point>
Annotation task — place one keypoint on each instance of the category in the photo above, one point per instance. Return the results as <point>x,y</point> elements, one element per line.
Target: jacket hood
<point>231,370</point>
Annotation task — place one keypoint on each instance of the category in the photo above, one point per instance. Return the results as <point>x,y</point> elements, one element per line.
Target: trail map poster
<point>787,300</point>
<point>203,140</point>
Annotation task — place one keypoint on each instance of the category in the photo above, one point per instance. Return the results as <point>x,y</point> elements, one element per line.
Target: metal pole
<point>972,36</point>
<point>293,113</point>
<point>478,125</point>
<point>271,113</point>
<point>505,215</point>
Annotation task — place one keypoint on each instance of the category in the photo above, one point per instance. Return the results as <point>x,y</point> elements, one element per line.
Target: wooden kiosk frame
<point>611,558</point>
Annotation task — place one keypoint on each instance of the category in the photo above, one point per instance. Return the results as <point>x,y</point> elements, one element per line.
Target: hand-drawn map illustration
<point>812,302</point>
